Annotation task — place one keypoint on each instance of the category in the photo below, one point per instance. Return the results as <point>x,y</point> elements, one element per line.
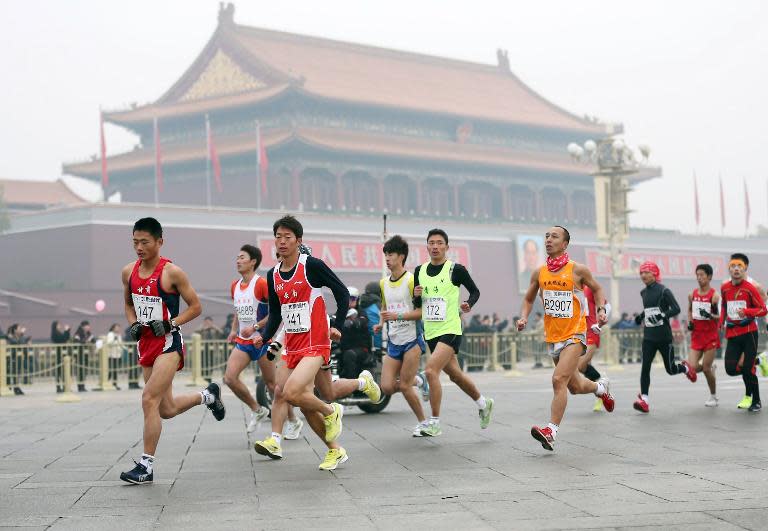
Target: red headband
<point>652,268</point>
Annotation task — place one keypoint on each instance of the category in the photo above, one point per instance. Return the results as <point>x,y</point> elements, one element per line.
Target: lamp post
<point>615,162</point>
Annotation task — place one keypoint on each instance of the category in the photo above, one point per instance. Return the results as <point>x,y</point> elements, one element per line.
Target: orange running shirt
<point>564,304</point>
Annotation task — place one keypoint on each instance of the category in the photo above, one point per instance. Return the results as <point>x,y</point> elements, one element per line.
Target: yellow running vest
<point>439,302</point>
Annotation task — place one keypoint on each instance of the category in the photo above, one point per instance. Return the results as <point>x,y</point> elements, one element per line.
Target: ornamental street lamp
<point>616,164</point>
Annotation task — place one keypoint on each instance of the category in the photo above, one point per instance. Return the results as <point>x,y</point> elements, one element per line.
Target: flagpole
<point>207,162</point>
<point>258,165</point>
<point>157,198</point>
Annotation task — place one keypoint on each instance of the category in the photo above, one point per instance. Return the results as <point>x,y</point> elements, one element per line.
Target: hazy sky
<point>689,78</point>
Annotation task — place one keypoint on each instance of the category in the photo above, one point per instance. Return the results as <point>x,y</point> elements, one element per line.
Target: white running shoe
<point>292,430</point>
<point>712,402</point>
<point>417,429</point>
<point>256,418</point>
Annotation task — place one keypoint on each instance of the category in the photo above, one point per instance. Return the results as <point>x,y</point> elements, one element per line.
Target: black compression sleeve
<point>275,316</point>
<point>416,300</point>
<point>460,277</point>
<point>673,308</point>
<point>320,275</point>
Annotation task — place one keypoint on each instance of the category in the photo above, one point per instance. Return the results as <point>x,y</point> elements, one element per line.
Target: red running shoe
<point>690,372</point>
<point>544,436</point>
<point>640,404</point>
<point>609,402</point>
<point>607,398</point>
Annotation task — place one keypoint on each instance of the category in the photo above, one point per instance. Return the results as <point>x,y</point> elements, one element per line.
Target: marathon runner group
<point>284,314</point>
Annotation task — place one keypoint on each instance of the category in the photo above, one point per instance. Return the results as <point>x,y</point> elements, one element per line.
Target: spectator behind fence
<point>498,324</point>
<point>474,326</point>
<point>209,331</point>
<point>60,335</point>
<point>370,305</point>
<point>114,345</point>
<point>85,340</point>
<point>16,362</point>
<point>133,359</point>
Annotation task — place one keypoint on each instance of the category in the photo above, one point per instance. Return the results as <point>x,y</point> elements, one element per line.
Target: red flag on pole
<point>158,160</point>
<point>104,174</point>
<point>213,156</point>
<point>722,204</point>
<point>696,200</point>
<point>746,205</point>
<point>261,160</point>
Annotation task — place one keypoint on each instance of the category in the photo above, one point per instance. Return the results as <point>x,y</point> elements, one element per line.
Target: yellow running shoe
<point>333,423</point>
<point>762,360</point>
<point>598,404</point>
<point>333,458</point>
<point>268,447</point>
<point>371,389</point>
<point>745,402</point>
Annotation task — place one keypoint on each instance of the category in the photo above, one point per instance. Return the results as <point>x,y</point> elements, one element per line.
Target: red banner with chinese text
<point>361,256</point>
<point>672,265</point>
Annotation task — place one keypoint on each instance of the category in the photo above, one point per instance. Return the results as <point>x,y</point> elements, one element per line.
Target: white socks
<point>360,384</point>
<point>434,420</point>
<point>480,402</point>
<point>147,460</point>
<point>645,398</point>
<point>600,391</point>
<point>419,380</point>
<point>206,398</point>
<point>554,428</point>
<point>277,437</point>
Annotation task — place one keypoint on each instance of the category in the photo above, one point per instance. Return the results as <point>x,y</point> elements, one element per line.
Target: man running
<point>250,296</point>
<point>561,285</point>
<point>742,304</point>
<point>152,287</point>
<point>296,300</point>
<point>437,291</point>
<point>593,341</point>
<point>659,306</point>
<point>405,344</point>
<point>703,321</point>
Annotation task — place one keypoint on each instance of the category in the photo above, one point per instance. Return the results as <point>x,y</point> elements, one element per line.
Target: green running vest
<point>439,302</point>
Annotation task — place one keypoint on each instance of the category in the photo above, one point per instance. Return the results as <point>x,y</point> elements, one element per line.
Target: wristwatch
<point>173,324</point>
<point>600,308</point>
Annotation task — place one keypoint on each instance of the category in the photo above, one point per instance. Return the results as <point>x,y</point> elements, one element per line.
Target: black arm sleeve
<point>275,316</point>
<point>673,308</point>
<point>416,300</point>
<point>320,275</point>
<point>460,277</point>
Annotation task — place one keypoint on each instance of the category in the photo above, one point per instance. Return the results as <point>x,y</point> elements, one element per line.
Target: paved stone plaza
<point>683,466</point>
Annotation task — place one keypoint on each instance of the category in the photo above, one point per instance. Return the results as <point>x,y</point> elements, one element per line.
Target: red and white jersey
<point>249,299</point>
<point>153,304</point>
<point>702,325</point>
<point>302,307</point>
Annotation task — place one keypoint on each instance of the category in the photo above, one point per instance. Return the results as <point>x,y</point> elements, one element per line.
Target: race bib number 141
<point>296,317</point>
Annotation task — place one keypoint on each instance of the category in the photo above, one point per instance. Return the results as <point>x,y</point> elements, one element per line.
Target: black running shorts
<point>451,340</point>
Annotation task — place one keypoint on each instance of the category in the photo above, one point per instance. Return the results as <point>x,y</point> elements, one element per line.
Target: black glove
<point>690,326</point>
<point>705,314</point>
<point>638,319</point>
<point>135,330</point>
<point>656,319</point>
<point>273,349</point>
<point>160,328</point>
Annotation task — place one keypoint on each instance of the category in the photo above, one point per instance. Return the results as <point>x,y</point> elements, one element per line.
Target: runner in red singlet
<point>593,341</point>
<point>152,287</point>
<point>296,301</point>
<point>703,321</point>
